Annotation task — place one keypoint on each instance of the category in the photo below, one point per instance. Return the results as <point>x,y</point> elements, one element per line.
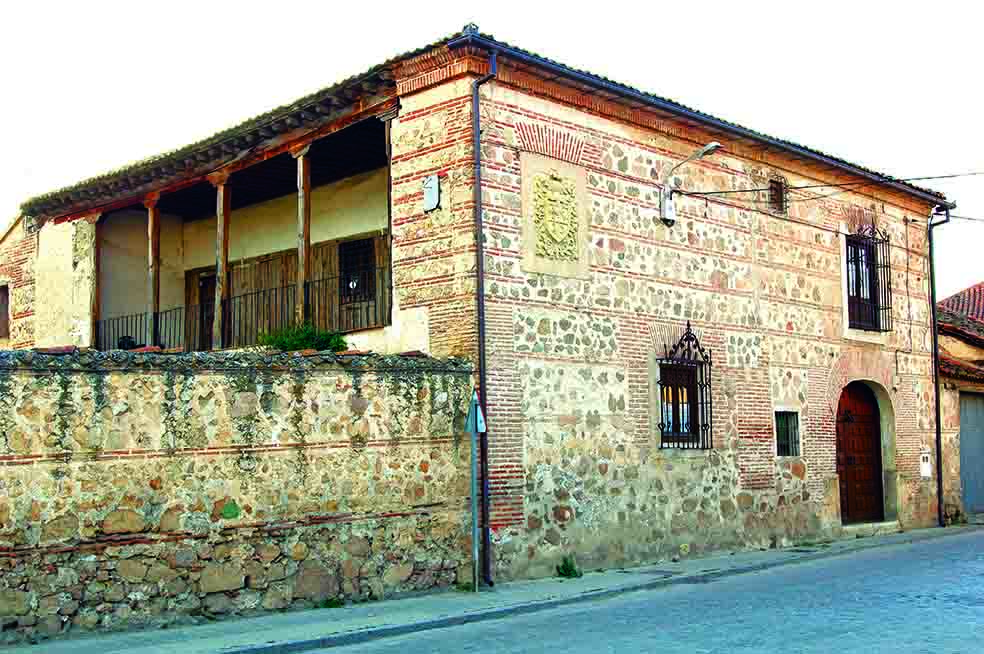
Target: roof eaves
<point>85,194</point>
<point>487,42</point>
<point>211,152</point>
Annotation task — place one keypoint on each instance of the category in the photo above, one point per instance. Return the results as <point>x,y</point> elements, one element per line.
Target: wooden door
<point>206,311</point>
<point>859,455</point>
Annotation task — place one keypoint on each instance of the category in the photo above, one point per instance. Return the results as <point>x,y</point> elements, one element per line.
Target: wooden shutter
<point>383,285</point>
<point>323,296</point>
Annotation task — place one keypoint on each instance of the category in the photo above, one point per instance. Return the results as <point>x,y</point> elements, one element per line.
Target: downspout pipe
<point>480,299</point>
<point>937,210</point>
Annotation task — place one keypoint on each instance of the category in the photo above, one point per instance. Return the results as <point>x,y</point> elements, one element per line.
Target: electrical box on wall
<point>432,193</point>
<point>925,465</point>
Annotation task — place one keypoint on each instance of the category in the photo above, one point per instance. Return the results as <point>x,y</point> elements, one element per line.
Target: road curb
<point>377,633</point>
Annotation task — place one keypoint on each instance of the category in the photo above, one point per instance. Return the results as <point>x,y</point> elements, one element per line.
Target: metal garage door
<point>972,451</point>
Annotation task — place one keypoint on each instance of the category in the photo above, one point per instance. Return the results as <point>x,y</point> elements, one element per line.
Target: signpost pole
<point>475,424</point>
<point>474,508</point>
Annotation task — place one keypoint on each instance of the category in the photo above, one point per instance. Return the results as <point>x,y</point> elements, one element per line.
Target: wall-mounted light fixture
<point>667,214</point>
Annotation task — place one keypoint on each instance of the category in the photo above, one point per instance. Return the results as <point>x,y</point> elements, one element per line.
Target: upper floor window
<point>4,312</point>
<point>684,387</point>
<point>777,195</point>
<point>869,290</point>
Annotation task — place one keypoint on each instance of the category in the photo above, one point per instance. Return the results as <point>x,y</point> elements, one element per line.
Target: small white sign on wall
<point>432,193</point>
<point>925,466</point>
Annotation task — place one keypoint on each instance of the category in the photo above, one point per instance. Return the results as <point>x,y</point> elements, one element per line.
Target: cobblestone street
<point>922,597</point>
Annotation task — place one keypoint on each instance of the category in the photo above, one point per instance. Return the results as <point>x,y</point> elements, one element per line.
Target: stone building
<point>744,361</point>
<point>960,321</point>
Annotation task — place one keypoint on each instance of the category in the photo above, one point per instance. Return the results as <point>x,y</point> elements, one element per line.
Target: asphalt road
<point>924,597</point>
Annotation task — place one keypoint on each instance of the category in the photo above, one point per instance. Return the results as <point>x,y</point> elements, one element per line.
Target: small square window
<point>777,195</point>
<point>787,433</point>
<point>4,312</point>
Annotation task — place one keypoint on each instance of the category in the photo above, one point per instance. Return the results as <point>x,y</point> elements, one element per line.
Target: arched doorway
<point>859,445</point>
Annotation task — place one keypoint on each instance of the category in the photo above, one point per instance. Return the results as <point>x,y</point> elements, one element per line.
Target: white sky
<point>896,86</point>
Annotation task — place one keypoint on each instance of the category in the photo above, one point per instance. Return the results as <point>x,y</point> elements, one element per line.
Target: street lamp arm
<point>711,147</point>
<point>666,212</point>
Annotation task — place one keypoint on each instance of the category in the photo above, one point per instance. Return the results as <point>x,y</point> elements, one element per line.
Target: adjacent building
<point>960,320</point>
<point>750,367</point>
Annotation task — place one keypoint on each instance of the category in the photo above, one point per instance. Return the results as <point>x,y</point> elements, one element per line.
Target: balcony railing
<point>352,302</point>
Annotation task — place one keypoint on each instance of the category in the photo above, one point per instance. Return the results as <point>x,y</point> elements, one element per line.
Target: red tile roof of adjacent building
<point>969,302</point>
<point>960,369</point>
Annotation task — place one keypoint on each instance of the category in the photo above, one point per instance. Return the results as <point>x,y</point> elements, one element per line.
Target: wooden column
<point>94,291</point>
<point>303,231</point>
<point>153,269</point>
<point>223,209</point>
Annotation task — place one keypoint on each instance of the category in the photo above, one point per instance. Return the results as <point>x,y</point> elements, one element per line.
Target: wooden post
<point>303,232</point>
<point>153,268</point>
<point>223,209</point>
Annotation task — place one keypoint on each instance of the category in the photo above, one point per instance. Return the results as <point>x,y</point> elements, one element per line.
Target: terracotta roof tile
<point>969,302</point>
<point>960,369</point>
<point>961,326</point>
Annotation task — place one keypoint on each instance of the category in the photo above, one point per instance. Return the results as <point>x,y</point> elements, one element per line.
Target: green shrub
<point>304,337</point>
<point>332,603</point>
<point>568,568</point>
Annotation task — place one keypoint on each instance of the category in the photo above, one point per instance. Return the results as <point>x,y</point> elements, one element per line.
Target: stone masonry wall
<point>576,463</point>
<point>66,278</point>
<point>145,489</point>
<point>18,251</point>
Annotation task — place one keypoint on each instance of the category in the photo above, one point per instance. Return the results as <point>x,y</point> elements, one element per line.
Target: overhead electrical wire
<point>844,187</point>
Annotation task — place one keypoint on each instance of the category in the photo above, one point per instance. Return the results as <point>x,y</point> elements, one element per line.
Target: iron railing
<point>246,317</point>
<point>355,301</point>
<point>188,328</point>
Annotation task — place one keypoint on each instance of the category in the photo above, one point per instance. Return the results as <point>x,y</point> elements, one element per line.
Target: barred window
<point>787,433</point>
<point>684,388</point>
<point>357,268</point>
<point>869,290</point>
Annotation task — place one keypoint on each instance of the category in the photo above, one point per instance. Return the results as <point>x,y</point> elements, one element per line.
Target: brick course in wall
<point>765,293</point>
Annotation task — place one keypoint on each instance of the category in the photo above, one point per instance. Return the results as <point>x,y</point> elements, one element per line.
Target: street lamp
<point>667,214</point>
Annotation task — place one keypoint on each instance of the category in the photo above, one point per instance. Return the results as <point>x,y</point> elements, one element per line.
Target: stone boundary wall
<point>140,489</point>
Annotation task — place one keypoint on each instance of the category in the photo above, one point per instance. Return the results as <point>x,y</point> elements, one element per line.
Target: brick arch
<point>859,365</point>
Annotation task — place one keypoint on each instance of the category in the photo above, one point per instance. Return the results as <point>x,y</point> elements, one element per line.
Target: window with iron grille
<point>4,312</point>
<point>869,276</point>
<point>684,388</point>
<point>357,270</point>
<point>787,433</point>
<point>777,195</point>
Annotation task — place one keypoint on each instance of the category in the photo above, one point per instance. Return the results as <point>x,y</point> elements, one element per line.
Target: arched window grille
<point>869,280</point>
<point>684,386</point>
